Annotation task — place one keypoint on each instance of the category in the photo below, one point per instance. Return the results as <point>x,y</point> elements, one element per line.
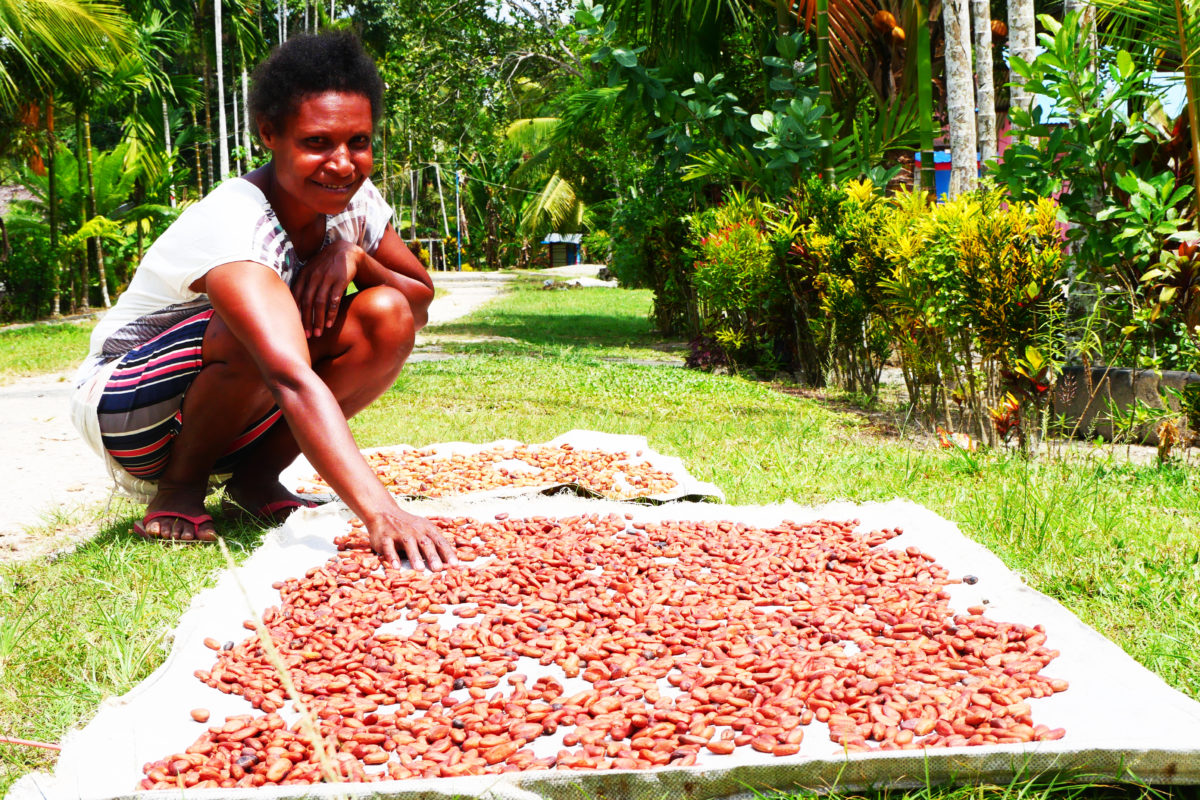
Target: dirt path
<point>49,473</point>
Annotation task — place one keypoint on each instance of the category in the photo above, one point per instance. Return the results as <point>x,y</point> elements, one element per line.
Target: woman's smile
<point>321,156</point>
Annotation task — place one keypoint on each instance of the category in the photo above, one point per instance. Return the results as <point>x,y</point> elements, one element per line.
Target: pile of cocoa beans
<point>423,473</point>
<point>656,644</point>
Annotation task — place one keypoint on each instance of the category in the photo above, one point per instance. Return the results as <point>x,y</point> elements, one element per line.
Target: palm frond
<point>848,31</point>
<point>551,207</point>
<point>689,29</point>
<point>737,164</point>
<point>532,133</point>
<point>1170,27</point>
<point>51,36</point>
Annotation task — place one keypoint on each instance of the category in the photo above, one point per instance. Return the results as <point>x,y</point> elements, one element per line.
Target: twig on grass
<point>307,722</point>
<point>29,743</point>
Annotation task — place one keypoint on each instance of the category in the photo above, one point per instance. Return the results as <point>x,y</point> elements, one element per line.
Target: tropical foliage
<point>752,162</point>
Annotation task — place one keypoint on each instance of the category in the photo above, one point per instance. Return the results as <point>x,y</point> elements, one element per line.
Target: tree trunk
<point>208,123</point>
<point>437,173</point>
<point>825,87</point>
<point>492,243</point>
<point>52,211</point>
<point>93,242</point>
<point>985,91</point>
<point>1020,43</point>
<point>235,156</point>
<point>412,179</point>
<point>925,97</point>
<point>170,156</point>
<point>139,194</point>
<point>386,188</point>
<point>960,97</point>
<point>82,300</point>
<point>247,143</point>
<point>199,160</point>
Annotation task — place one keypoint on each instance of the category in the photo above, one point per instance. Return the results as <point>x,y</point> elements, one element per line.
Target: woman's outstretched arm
<point>258,308</point>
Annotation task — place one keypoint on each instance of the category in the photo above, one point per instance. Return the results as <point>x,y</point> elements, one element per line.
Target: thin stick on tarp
<point>29,743</point>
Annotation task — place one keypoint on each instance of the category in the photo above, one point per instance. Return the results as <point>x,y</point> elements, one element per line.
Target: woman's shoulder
<point>234,197</point>
<point>234,210</point>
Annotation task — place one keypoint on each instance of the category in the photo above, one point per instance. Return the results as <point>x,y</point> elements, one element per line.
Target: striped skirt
<point>140,411</point>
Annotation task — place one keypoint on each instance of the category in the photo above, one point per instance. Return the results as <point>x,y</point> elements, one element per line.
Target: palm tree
<point>825,86</point>
<point>985,105</point>
<point>222,126</point>
<point>1021,45</point>
<point>57,36</point>
<point>960,96</point>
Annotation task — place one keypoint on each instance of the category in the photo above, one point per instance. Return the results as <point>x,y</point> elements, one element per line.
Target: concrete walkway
<point>49,472</point>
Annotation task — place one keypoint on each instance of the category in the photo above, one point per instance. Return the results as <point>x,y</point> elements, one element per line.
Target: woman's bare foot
<point>266,500</point>
<point>177,514</point>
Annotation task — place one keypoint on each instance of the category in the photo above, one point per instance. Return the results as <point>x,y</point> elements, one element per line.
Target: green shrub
<point>649,237</point>
<point>26,284</point>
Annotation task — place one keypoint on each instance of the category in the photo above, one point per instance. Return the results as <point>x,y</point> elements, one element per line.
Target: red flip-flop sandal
<point>196,519</point>
<point>275,513</point>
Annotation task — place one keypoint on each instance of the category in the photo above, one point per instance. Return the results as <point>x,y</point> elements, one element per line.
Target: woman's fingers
<point>321,285</point>
<point>319,303</point>
<point>421,542</point>
<point>331,309</point>
<point>385,548</point>
<point>429,549</point>
<point>446,550</point>
<point>412,551</point>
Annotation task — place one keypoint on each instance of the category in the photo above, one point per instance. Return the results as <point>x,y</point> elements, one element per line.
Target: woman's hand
<point>420,539</point>
<point>322,283</point>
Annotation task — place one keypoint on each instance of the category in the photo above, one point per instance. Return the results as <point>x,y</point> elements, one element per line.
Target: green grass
<point>1113,541</point>
<point>38,349</point>
<point>532,321</point>
<point>91,624</point>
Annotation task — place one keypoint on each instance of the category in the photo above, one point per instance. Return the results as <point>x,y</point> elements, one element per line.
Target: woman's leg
<point>359,357</point>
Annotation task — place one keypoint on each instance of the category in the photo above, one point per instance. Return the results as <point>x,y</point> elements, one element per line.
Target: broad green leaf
<point>787,47</point>
<point>626,58</point>
<point>762,122</point>
<point>1125,65</point>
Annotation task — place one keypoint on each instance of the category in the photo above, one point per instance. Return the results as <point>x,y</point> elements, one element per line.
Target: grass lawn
<point>1114,542</point>
<point>533,321</point>
<point>37,349</point>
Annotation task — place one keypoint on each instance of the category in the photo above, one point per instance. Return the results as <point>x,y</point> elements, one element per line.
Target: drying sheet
<point>1120,719</point>
<point>300,473</point>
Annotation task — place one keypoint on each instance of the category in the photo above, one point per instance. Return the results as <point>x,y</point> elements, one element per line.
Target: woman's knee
<point>385,319</point>
<point>224,350</point>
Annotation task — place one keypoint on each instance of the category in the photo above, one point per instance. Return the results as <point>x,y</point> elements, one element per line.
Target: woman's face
<point>323,153</point>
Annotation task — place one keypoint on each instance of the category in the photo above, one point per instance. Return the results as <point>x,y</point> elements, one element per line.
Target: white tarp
<point>299,475</point>
<point>1121,719</point>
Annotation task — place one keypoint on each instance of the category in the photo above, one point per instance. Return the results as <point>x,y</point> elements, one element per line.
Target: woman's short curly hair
<point>311,64</point>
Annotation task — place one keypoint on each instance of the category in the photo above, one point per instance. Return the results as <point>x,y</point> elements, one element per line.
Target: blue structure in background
<point>941,172</point>
<point>564,248</point>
